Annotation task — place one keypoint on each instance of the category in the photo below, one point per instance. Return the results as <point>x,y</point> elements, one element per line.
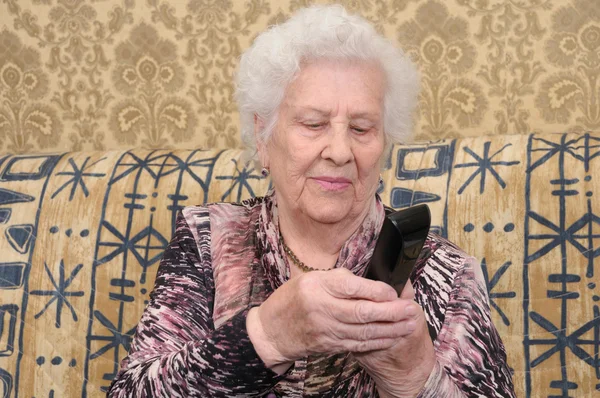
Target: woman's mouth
<point>332,183</point>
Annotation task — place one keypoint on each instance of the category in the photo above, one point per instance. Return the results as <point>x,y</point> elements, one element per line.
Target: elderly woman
<point>266,297</point>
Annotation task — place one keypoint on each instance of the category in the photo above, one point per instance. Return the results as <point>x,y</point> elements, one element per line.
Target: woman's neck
<point>316,244</point>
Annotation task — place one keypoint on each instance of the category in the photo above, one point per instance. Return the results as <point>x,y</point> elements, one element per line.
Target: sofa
<point>82,234</point>
<point>85,212</point>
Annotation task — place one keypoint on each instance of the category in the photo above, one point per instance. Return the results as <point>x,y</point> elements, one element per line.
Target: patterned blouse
<point>224,259</point>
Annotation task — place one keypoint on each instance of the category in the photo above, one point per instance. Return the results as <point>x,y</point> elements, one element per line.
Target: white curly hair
<point>321,32</point>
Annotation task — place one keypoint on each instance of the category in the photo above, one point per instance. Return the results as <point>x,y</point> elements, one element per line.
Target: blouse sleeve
<point>176,351</point>
<point>471,359</point>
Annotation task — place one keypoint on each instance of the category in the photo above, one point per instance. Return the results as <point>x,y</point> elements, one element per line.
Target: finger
<point>370,345</point>
<point>408,293</point>
<point>344,284</point>
<point>365,311</point>
<point>373,331</point>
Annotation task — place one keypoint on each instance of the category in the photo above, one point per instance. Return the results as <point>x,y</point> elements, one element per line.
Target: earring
<point>265,172</point>
<point>380,180</point>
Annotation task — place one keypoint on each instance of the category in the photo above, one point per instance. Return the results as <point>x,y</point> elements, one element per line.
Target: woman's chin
<point>329,211</point>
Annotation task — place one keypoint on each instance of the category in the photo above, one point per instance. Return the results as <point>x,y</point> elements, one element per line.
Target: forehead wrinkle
<point>365,115</point>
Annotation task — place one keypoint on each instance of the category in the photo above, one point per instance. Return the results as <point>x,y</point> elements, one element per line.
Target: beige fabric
<point>109,74</point>
<point>81,236</point>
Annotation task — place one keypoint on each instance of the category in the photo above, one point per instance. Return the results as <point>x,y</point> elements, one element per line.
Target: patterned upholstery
<point>81,235</point>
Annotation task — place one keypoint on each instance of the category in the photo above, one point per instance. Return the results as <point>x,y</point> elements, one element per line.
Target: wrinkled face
<point>324,154</point>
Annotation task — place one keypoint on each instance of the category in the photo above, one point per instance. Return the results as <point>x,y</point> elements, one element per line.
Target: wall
<point>107,74</point>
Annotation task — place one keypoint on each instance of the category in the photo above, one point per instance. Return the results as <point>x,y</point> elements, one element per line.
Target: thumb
<point>408,293</point>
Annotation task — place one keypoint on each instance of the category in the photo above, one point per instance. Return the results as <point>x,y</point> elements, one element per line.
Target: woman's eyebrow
<point>299,109</point>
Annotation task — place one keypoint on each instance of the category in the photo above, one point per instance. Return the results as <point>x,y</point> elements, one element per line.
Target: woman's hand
<point>402,369</point>
<point>326,312</point>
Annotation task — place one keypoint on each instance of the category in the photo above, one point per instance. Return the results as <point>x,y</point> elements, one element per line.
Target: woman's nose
<point>339,148</point>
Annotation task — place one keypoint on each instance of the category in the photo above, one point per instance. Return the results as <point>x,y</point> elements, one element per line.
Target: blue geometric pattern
<point>402,197</point>
<point>440,167</point>
<point>2,159</point>
<point>117,339</point>
<point>491,285</point>
<point>8,314</point>
<point>44,164</point>
<point>78,177</point>
<point>440,164</point>
<point>6,383</point>
<point>24,180</point>
<point>136,251</point>
<point>484,164</point>
<point>5,215</point>
<point>59,292</point>
<point>8,197</point>
<point>565,337</point>
<point>240,180</point>
<point>81,237</point>
<point>547,236</point>
<point>19,237</point>
<point>147,246</point>
<point>11,275</point>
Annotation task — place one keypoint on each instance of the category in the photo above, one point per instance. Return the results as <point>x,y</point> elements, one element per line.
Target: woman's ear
<point>259,126</point>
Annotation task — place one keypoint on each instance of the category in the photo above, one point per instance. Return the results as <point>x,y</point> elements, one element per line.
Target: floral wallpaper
<point>113,74</point>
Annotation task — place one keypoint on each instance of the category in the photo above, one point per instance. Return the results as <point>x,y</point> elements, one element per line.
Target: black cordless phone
<point>399,244</point>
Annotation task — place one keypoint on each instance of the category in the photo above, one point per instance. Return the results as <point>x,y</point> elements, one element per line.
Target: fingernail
<point>411,326</point>
<point>410,310</point>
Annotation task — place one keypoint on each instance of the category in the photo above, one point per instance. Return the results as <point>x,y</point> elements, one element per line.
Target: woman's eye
<point>314,126</point>
<point>359,130</point>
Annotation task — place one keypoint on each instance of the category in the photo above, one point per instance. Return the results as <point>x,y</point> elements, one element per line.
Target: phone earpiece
<point>399,244</point>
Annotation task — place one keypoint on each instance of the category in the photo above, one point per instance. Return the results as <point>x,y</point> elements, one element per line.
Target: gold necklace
<point>295,260</point>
